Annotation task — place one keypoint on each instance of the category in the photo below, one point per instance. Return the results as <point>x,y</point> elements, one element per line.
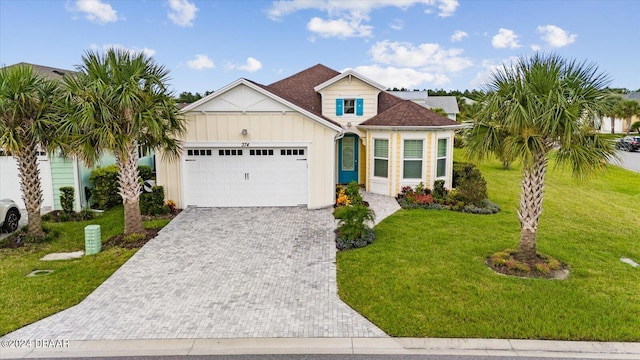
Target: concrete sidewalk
<point>403,346</point>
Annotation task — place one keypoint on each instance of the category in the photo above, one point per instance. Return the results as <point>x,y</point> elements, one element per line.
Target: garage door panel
<point>246,177</point>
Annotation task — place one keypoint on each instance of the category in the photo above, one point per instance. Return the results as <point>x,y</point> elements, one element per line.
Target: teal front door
<point>348,159</point>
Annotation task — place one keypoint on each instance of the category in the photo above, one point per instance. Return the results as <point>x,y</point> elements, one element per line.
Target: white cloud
<point>252,65</point>
<point>182,12</point>
<point>447,7</point>
<point>401,77</point>
<point>555,36</point>
<point>505,38</point>
<point>458,36</point>
<point>201,62</point>
<point>133,49</point>
<point>535,47</point>
<point>429,56</point>
<point>349,18</point>
<point>95,10</point>
<point>397,24</point>
<point>489,67</point>
<point>339,28</point>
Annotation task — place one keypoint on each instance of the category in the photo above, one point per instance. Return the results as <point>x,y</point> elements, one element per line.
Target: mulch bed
<point>560,274</point>
<point>119,240</point>
<point>11,242</point>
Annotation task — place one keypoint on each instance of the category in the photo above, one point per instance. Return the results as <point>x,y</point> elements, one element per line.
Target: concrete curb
<point>402,346</point>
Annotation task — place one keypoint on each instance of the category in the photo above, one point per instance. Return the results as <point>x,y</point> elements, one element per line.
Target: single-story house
<point>447,103</point>
<point>620,125</point>
<point>289,143</point>
<point>55,171</point>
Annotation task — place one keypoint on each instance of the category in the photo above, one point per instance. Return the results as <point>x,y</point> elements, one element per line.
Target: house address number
<point>245,144</point>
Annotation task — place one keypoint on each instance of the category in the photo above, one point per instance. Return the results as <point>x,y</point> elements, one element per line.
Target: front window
<point>441,170</point>
<point>381,158</point>
<point>412,163</point>
<point>349,106</point>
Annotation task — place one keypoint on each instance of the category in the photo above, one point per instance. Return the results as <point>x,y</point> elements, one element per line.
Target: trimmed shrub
<point>105,187</point>
<point>458,172</point>
<point>145,172</point>
<point>439,191</point>
<point>105,192</point>
<point>486,207</point>
<point>67,198</point>
<point>367,238</point>
<point>153,203</point>
<point>471,187</point>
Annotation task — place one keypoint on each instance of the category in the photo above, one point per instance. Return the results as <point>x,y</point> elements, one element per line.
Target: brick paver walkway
<point>221,273</point>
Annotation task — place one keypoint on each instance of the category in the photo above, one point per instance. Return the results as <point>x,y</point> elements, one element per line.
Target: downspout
<point>335,157</point>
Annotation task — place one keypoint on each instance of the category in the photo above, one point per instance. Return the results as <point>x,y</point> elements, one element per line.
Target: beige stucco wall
<point>264,129</point>
<point>394,182</point>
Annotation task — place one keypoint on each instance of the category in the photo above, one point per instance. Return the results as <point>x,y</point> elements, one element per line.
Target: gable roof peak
<point>349,73</point>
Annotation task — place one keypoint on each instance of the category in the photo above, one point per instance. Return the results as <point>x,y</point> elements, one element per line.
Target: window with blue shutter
<point>349,107</point>
<point>359,107</point>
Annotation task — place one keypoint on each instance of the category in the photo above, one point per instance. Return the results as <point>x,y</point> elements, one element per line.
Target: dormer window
<point>349,106</point>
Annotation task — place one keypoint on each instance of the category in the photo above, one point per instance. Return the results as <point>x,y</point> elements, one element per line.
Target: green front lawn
<point>425,276</point>
<point>24,300</point>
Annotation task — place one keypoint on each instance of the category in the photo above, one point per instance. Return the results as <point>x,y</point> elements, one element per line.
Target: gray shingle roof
<point>47,71</point>
<point>447,103</point>
<point>635,95</point>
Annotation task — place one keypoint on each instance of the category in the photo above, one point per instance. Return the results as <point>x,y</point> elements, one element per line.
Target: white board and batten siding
<point>10,181</point>
<point>295,165</point>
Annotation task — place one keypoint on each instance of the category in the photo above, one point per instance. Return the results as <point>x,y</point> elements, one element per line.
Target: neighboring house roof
<point>47,71</point>
<point>417,96</point>
<point>407,113</point>
<point>447,103</point>
<point>468,101</point>
<point>635,95</point>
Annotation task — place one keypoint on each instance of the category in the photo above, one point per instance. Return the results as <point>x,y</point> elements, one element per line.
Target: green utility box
<point>92,241</point>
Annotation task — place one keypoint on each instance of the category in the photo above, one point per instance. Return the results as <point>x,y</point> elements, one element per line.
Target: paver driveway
<point>220,273</point>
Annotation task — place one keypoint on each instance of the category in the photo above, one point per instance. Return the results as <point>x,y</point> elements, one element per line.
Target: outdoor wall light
<point>349,124</point>
<point>244,132</point>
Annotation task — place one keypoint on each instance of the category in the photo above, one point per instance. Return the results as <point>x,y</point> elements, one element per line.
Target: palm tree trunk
<point>30,186</point>
<point>531,206</point>
<point>613,124</point>
<point>130,189</point>
<point>629,125</point>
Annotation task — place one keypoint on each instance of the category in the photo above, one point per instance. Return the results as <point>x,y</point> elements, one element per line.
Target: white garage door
<point>245,177</point>
<point>10,180</point>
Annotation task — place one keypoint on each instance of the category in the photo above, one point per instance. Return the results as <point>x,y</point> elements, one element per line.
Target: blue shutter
<point>359,107</point>
<point>339,107</point>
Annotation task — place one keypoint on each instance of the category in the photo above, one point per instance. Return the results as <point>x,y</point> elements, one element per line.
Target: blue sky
<point>417,44</point>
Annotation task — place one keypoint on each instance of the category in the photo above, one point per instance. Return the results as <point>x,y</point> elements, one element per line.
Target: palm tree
<point>542,103</point>
<point>627,109</point>
<point>611,102</point>
<point>27,121</point>
<point>118,101</point>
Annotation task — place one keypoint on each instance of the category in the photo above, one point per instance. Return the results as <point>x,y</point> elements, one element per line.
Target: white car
<point>9,215</point>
